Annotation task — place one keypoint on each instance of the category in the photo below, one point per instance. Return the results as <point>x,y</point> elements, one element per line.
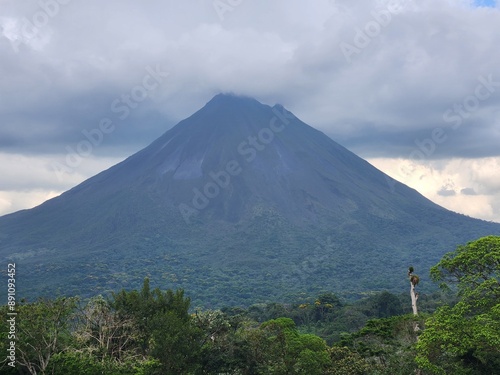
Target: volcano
<point>239,203</point>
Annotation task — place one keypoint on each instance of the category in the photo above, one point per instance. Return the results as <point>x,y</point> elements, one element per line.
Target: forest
<point>151,331</point>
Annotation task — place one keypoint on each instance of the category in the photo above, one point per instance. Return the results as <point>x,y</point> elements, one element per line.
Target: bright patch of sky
<point>485,3</point>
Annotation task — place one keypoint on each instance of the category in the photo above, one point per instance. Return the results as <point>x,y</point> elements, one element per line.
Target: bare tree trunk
<point>414,279</point>
<point>414,298</point>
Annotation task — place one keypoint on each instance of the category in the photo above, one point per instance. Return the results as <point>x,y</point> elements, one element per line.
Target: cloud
<point>401,83</point>
<point>441,180</point>
<point>468,191</point>
<point>12,201</point>
<point>28,180</point>
<point>446,192</point>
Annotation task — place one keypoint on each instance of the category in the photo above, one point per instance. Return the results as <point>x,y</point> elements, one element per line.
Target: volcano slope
<point>237,204</point>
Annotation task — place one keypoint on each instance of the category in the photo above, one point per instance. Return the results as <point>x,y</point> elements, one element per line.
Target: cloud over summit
<point>65,62</point>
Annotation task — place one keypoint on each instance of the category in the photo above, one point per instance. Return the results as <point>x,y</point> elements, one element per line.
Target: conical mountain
<point>239,203</point>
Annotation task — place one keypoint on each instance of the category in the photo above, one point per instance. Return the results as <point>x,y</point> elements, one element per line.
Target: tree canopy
<point>152,331</point>
<point>465,338</point>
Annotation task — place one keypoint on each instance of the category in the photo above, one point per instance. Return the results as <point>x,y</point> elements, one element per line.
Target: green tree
<point>346,362</point>
<point>164,327</point>
<point>221,346</point>
<point>105,334</point>
<point>76,362</point>
<point>325,306</point>
<point>286,351</point>
<point>382,305</point>
<point>465,338</point>
<point>43,329</point>
<point>386,344</point>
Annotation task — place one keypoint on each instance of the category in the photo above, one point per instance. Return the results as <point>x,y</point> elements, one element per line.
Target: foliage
<point>289,352</point>
<point>103,333</point>
<point>153,332</point>
<point>163,326</point>
<point>150,332</point>
<point>80,363</point>
<point>387,344</point>
<point>346,362</point>
<point>42,330</point>
<point>465,338</point>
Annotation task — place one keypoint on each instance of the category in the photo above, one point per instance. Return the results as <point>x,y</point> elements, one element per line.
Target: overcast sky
<point>411,86</point>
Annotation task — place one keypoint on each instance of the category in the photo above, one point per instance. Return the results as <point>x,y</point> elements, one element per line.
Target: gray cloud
<point>468,191</point>
<point>425,58</point>
<point>445,192</point>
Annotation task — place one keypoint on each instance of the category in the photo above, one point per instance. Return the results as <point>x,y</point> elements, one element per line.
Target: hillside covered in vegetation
<point>240,203</point>
<point>158,332</point>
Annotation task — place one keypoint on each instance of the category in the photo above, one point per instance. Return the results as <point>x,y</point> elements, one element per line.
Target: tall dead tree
<point>414,279</point>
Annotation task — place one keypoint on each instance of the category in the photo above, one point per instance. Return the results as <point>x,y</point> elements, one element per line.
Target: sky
<point>411,86</point>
